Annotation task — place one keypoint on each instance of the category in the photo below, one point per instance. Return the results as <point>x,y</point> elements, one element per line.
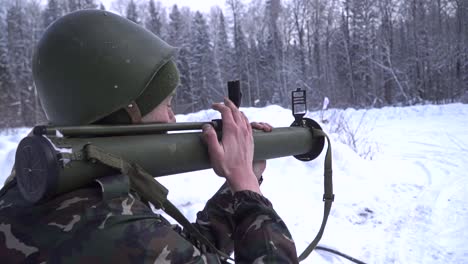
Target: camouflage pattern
<point>100,224</point>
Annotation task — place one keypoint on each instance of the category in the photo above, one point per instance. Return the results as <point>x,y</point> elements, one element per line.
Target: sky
<point>400,196</point>
<point>200,5</point>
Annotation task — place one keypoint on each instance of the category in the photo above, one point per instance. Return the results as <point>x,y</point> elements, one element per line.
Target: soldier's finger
<point>246,123</point>
<point>226,114</point>
<point>235,111</point>
<point>256,125</point>
<point>211,140</point>
<point>266,127</point>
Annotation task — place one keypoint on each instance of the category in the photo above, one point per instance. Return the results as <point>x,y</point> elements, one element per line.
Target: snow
<point>400,189</point>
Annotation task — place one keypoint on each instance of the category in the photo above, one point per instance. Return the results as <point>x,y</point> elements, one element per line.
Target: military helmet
<point>91,65</point>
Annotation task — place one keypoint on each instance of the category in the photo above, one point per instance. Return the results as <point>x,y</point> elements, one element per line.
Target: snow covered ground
<point>400,180</point>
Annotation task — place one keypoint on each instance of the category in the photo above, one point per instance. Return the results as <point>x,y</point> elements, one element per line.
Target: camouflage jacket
<point>87,226</point>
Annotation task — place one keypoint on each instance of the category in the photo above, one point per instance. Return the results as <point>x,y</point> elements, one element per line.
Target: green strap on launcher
<point>328,196</point>
<point>151,190</point>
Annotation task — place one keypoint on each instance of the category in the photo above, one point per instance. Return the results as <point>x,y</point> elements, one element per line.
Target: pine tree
<point>362,39</point>
<point>207,85</point>
<point>52,12</point>
<point>154,22</point>
<point>175,27</point>
<point>222,49</point>
<point>5,77</point>
<point>242,65</point>
<point>178,35</point>
<point>35,29</point>
<point>19,64</point>
<point>241,49</point>
<point>275,55</point>
<point>420,49</point>
<point>132,13</point>
<point>74,5</point>
<point>299,10</point>
<point>461,64</point>
<point>254,74</point>
<point>90,4</point>
<point>343,64</point>
<point>199,47</point>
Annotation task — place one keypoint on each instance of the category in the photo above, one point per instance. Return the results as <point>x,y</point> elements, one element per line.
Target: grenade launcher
<point>55,160</point>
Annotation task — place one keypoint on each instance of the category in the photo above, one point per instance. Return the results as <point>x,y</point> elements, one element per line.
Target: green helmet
<point>94,65</point>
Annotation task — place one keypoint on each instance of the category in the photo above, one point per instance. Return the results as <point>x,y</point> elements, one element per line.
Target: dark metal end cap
<point>37,168</point>
<point>319,143</point>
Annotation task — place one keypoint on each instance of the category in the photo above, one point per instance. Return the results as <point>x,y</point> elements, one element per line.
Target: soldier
<point>95,67</point>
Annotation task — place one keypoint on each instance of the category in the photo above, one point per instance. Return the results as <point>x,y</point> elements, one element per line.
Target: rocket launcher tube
<point>44,171</point>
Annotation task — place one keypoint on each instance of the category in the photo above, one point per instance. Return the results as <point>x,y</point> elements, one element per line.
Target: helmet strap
<point>133,112</point>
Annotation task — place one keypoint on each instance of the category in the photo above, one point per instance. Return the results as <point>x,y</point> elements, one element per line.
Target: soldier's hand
<point>232,157</point>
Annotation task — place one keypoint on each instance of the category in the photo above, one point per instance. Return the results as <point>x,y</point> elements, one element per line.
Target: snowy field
<point>400,180</point>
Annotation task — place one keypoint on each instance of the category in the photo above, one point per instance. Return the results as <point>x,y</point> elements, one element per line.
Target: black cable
<point>339,254</point>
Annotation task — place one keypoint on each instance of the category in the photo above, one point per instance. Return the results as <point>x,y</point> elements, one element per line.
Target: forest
<point>356,53</point>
